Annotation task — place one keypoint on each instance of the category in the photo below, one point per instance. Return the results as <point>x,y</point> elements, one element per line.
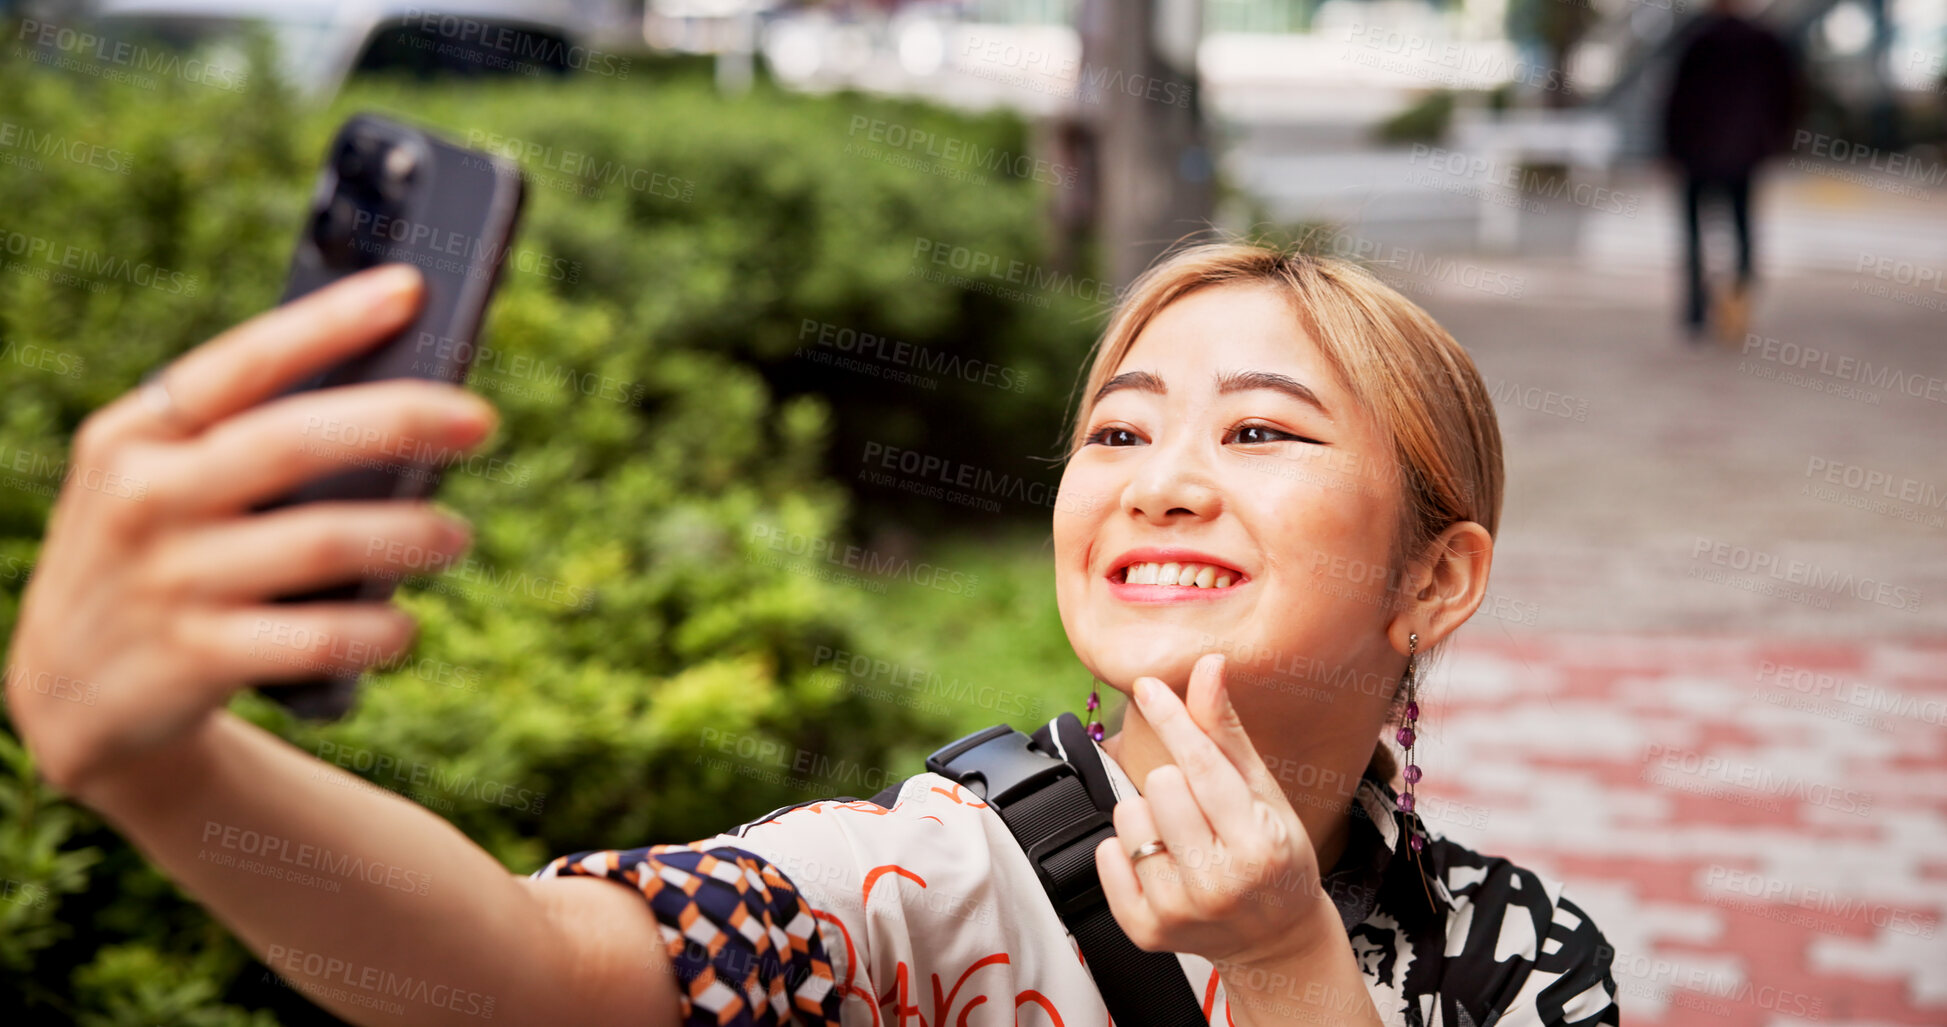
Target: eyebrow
<point>1227,382</point>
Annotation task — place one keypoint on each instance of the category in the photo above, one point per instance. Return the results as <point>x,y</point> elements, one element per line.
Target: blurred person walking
<point>1732,103</point>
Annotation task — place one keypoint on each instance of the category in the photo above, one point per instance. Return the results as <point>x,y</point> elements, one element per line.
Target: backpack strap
<point>1046,805</point>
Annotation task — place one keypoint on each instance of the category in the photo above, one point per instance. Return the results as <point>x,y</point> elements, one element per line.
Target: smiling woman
<point>1275,455</point>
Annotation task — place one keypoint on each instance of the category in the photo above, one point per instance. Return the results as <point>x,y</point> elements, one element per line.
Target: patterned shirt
<point>919,906</point>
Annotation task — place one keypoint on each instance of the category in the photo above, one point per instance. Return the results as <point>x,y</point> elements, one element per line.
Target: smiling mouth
<point>1181,575</point>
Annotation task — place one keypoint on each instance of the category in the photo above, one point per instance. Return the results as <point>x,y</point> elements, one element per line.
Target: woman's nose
<point>1173,481</point>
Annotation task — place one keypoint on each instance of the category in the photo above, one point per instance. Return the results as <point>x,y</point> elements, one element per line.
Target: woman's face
<point>1224,439</point>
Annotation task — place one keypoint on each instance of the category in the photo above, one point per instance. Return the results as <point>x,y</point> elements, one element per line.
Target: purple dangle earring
<point>1407,736</point>
<point>1094,703</point>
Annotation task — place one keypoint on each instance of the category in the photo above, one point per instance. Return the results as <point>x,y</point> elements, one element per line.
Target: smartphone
<point>388,193</point>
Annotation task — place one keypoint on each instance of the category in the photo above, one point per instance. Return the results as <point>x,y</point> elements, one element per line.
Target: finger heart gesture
<point>1234,878</point>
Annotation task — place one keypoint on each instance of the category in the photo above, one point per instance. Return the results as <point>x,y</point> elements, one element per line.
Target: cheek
<point>1325,543</point>
<point>1075,521</point>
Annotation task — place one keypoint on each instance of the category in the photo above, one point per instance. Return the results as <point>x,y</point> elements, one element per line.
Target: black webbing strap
<point>1044,804</point>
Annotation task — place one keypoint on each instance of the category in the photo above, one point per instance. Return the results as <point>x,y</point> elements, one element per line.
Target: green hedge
<point>563,710</point>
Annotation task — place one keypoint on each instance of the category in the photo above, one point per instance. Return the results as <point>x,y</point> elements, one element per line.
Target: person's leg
<point>1738,190</point>
<point>1693,317</point>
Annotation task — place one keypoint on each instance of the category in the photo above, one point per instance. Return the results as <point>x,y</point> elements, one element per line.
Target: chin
<point>1165,651</point>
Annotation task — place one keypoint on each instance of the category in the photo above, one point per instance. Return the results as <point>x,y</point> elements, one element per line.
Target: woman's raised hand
<point>1238,883</point>
<point>151,604</point>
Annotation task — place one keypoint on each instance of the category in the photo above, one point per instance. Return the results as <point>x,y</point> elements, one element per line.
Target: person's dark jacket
<point>1733,100</point>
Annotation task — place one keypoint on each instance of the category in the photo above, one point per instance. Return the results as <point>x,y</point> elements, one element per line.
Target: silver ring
<point>1146,850</point>
<point>155,396</point>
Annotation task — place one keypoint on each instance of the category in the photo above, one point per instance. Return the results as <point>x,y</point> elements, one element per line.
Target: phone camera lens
<point>351,162</point>
<point>400,163</point>
<point>332,231</point>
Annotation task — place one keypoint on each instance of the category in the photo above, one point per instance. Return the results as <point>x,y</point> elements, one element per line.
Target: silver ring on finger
<point>1146,850</point>
<point>156,397</point>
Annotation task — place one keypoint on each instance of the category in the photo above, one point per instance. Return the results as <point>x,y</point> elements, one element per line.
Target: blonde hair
<point>1396,361</point>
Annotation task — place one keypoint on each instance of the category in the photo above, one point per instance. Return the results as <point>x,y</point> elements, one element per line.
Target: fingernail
<point>394,289</point>
<point>454,534</point>
<point>1145,697</point>
<point>473,417</point>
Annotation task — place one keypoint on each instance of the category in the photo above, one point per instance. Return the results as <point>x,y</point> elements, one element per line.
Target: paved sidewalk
<point>1758,826</point>
<point>1791,484</point>
<point>1712,692</point>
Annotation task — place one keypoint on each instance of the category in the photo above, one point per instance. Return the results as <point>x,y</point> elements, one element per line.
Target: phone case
<point>393,193</point>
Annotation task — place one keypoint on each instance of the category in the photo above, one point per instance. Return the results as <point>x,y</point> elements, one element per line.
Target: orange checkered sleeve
<point>742,940</point>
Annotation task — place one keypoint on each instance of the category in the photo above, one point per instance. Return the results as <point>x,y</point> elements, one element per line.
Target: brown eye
<point>1252,434</point>
<point>1112,437</point>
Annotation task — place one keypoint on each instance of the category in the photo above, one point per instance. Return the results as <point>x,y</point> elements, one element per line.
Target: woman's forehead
<point>1245,326</point>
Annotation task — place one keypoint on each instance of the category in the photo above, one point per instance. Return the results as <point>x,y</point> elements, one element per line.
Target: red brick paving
<point>1753,863</point>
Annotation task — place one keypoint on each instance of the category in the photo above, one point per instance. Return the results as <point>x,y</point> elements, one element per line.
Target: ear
<point>1444,586</point>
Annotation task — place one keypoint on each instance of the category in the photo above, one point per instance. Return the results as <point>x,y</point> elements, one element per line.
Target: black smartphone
<point>393,193</point>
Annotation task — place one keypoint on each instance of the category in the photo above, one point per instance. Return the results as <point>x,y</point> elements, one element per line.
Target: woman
<point>1280,499</point>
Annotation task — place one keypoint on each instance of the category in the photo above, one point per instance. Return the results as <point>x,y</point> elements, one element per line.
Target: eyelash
<point>1095,437</point>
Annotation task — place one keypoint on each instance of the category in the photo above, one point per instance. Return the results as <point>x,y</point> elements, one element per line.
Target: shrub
<point>617,605</point>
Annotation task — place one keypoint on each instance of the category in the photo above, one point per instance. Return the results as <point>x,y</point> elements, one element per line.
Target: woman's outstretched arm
<point>371,905</point>
<point>153,601</point>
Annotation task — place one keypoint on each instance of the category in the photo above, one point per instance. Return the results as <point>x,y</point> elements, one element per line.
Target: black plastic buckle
<point>997,764</point>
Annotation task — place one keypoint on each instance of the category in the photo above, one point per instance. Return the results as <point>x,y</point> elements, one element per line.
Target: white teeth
<point>1182,575</point>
